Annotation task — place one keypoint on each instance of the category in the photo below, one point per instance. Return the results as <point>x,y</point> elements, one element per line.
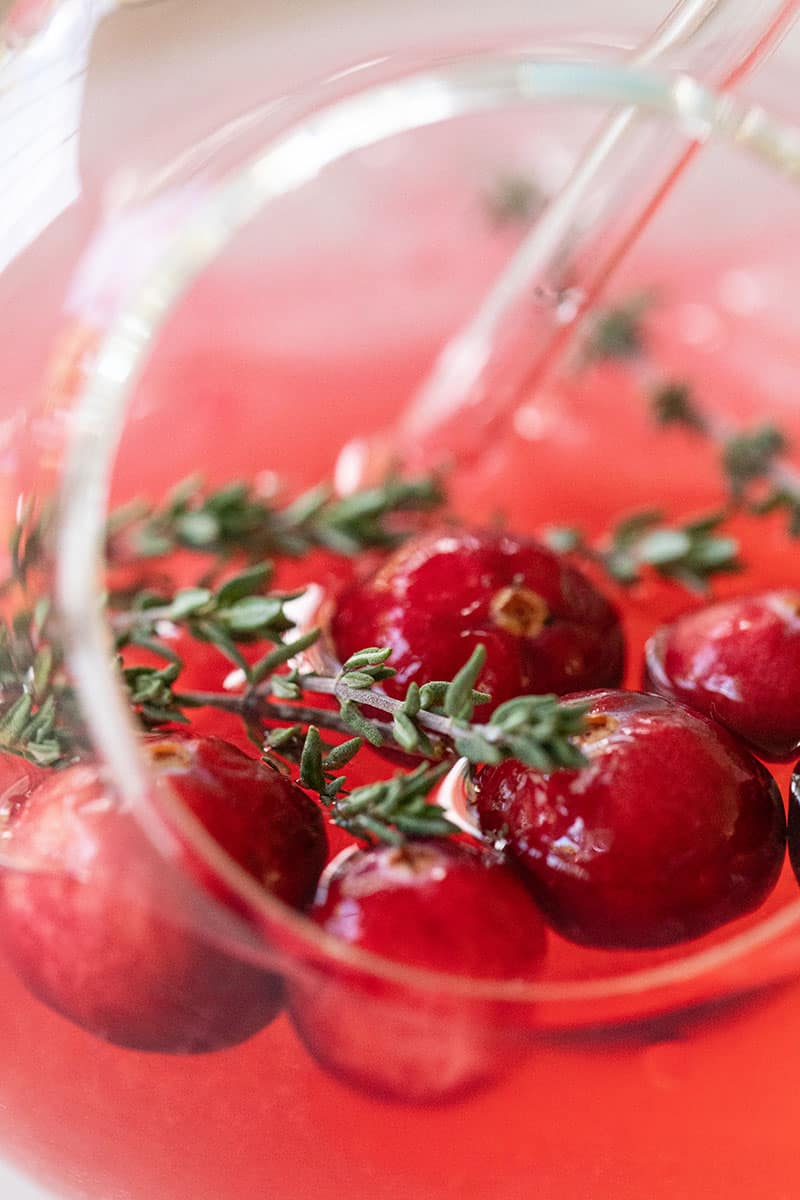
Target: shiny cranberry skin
<point>671,830</point>
<point>96,923</point>
<point>444,906</point>
<point>738,662</point>
<point>437,904</point>
<point>545,626</point>
<point>265,822</point>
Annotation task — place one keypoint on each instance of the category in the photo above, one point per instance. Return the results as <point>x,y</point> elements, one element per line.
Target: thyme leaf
<point>673,403</point>
<point>514,199</point>
<point>757,477</point>
<point>37,706</point>
<point>751,455</point>
<point>617,332</point>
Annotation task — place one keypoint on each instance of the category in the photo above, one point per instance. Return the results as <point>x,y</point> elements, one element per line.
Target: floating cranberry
<point>671,829</point>
<point>92,919</point>
<point>433,904</point>
<point>546,628</point>
<point>738,662</point>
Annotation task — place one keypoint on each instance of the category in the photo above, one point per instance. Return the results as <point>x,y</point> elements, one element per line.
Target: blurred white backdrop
<point>171,32</point>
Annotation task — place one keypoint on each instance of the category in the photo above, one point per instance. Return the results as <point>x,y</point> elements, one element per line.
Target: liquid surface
<point>694,1105</point>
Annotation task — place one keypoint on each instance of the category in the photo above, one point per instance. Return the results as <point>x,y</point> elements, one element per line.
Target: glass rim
<point>291,158</point>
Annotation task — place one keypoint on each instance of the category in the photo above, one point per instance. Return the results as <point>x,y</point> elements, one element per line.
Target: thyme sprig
<point>536,730</point>
<point>237,520</point>
<point>35,699</point>
<point>238,612</point>
<point>752,460</point>
<point>438,719</point>
<point>617,332</point>
<point>757,477</point>
<point>394,809</point>
<point>434,722</point>
<point>690,552</point>
<point>673,403</point>
<point>514,199</point>
<point>389,810</point>
<point>151,693</point>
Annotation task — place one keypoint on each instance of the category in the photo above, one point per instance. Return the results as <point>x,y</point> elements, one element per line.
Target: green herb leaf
<point>353,718</point>
<point>458,699</point>
<point>390,811</point>
<point>188,602</point>
<point>311,773</point>
<point>247,583</point>
<point>617,332</point>
<point>405,732</point>
<point>339,756</point>
<point>750,455</point>
<point>282,654</point>
<point>253,614</point>
<point>514,200</point>
<point>372,656</point>
<point>236,520</point>
<point>673,403</point>
<point>563,539</point>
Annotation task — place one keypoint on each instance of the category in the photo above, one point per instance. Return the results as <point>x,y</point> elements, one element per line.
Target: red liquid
<point>695,1105</point>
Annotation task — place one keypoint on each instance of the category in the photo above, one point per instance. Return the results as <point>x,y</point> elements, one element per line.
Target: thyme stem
<point>444,732</point>
<point>258,704</point>
<point>123,621</point>
<point>747,457</point>
<point>723,435</point>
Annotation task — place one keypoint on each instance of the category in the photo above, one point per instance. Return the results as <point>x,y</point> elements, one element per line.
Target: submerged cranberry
<point>265,822</point>
<point>738,662</point>
<point>18,778</point>
<point>439,905</point>
<point>671,829</point>
<point>546,628</point>
<point>95,923</point>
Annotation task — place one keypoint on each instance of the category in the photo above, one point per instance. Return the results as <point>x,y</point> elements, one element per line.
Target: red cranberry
<point>671,829</point>
<point>439,905</point>
<point>546,628</point>
<point>18,778</point>
<point>267,824</point>
<point>91,919</point>
<point>738,662</point>
<point>794,822</point>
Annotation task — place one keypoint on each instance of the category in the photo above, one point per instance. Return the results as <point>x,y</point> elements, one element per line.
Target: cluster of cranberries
<point>672,828</point>
<point>84,917</point>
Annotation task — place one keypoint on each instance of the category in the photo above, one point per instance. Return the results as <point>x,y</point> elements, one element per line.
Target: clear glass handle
<point>523,325</point>
<point>44,55</point>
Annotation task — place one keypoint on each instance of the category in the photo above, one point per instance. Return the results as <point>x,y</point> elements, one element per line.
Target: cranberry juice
<point>674,1100</point>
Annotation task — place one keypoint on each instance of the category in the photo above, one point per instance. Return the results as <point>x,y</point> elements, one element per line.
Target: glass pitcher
<point>231,255</point>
